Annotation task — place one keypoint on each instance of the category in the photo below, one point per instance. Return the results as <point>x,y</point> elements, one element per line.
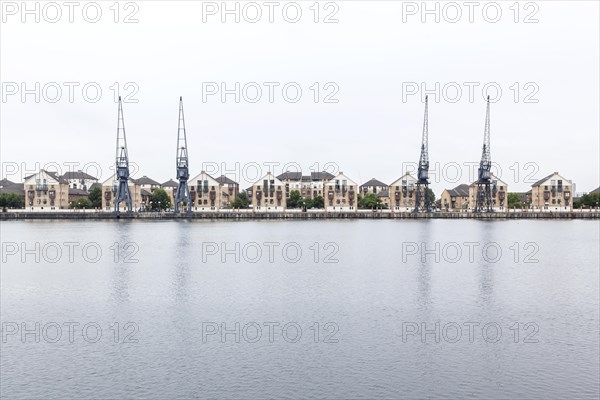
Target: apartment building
<point>456,199</point>
<point>79,180</point>
<point>46,190</point>
<point>402,193</point>
<point>206,193</point>
<point>309,186</point>
<point>109,190</point>
<point>499,194</point>
<point>147,184</point>
<point>552,193</point>
<point>384,197</point>
<point>291,181</point>
<point>342,194</point>
<point>77,194</point>
<point>268,194</point>
<point>374,186</point>
<point>231,187</point>
<point>170,187</point>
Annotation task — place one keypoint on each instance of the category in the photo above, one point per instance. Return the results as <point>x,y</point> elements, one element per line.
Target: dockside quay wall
<point>244,215</point>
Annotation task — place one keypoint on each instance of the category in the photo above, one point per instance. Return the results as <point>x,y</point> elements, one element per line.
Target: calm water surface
<point>168,295</point>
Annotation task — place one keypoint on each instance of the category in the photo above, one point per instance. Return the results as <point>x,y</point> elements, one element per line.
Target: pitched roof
<point>492,179</point>
<point>373,182</point>
<point>144,180</point>
<point>77,175</point>
<point>597,190</point>
<point>460,190</point>
<point>95,185</point>
<point>339,176</point>
<point>59,179</point>
<point>319,176</point>
<point>144,192</point>
<point>544,179</point>
<point>78,192</point>
<point>297,176</point>
<point>407,176</point>
<point>203,175</point>
<point>290,175</point>
<point>225,180</point>
<point>7,186</point>
<point>383,193</point>
<point>170,183</point>
<point>270,177</point>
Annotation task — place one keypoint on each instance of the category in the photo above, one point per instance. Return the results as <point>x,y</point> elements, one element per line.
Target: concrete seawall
<point>90,215</point>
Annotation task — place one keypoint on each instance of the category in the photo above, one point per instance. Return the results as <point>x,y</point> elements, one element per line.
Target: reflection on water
<point>365,298</point>
<point>121,231</point>
<point>182,262</point>
<point>424,239</point>
<point>487,235</point>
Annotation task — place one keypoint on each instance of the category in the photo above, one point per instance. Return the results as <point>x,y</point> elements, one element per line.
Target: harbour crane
<point>182,195</point>
<point>483,202</point>
<point>422,200</point>
<point>122,192</point>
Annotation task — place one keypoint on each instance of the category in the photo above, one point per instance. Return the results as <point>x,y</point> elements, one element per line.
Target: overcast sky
<point>371,61</point>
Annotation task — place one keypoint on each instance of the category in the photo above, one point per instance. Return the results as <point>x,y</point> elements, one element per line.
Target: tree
<point>11,200</point>
<point>514,200</point>
<point>318,202</point>
<point>81,203</point>
<point>431,196</point>
<point>295,200</point>
<point>241,200</point>
<point>370,200</point>
<point>587,200</point>
<point>95,197</point>
<point>160,200</point>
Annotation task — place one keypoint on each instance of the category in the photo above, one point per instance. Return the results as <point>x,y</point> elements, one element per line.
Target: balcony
<point>41,187</point>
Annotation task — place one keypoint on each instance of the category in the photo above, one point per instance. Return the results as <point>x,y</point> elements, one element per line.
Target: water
<point>543,298</point>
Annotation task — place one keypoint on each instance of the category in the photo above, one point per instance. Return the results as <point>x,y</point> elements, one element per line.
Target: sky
<point>303,85</point>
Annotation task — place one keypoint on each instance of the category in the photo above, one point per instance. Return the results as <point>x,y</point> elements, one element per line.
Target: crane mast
<point>182,195</point>
<point>422,200</point>
<point>484,179</point>
<point>121,187</point>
